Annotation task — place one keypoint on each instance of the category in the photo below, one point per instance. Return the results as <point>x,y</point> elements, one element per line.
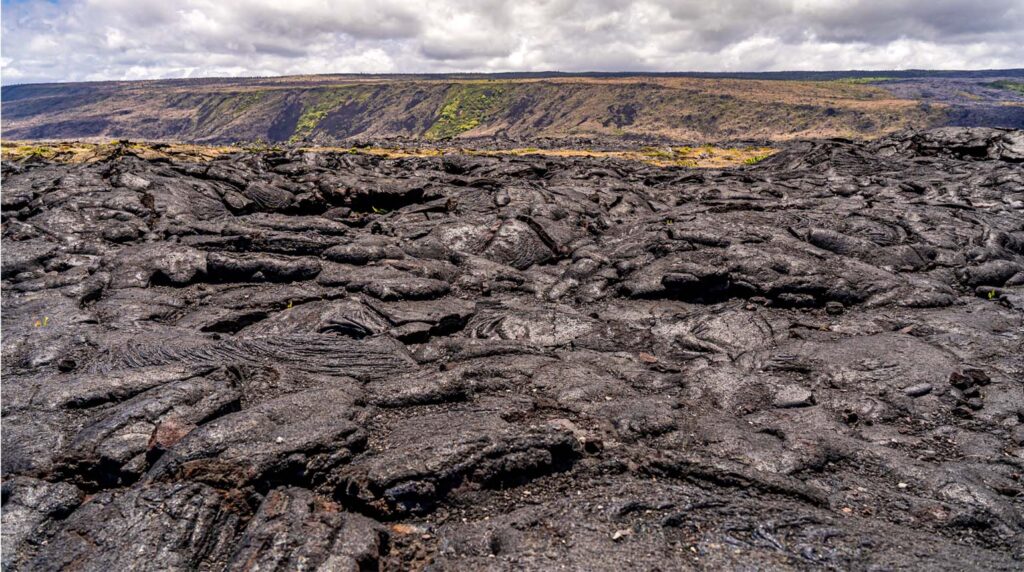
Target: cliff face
<point>332,108</point>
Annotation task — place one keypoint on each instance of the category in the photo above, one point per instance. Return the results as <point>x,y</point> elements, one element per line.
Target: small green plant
<point>755,159</point>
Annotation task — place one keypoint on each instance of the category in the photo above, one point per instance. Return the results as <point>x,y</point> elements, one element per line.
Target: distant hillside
<point>690,107</point>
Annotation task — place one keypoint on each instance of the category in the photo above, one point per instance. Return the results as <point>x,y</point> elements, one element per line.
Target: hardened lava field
<point>288,360</point>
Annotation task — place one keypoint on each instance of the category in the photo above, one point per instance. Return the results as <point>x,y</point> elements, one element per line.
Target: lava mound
<point>338,361</point>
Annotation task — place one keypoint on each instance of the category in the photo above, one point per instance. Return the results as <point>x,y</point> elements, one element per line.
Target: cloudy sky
<point>73,40</point>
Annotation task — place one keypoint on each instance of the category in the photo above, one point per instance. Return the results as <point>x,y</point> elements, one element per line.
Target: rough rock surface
<point>341,362</point>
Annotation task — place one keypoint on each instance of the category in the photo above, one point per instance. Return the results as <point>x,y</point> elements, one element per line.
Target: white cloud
<point>70,40</point>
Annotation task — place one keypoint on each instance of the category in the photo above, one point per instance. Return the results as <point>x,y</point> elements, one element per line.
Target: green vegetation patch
<point>244,101</point>
<point>324,101</point>
<point>221,108</point>
<point>465,107</point>
<point>1008,85</point>
<point>32,151</point>
<point>666,153</point>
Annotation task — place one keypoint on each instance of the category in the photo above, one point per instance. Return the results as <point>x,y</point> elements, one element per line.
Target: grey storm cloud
<point>69,40</point>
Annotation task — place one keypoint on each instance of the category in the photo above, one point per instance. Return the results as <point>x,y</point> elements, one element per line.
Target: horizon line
<point>906,74</point>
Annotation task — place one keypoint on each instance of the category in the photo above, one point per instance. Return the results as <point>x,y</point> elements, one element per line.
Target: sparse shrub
<point>1008,85</point>
<point>659,153</point>
<point>326,101</point>
<point>861,80</point>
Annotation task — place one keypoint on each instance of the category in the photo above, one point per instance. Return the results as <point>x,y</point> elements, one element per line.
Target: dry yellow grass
<point>697,157</point>
<point>85,152</point>
<point>88,152</point>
